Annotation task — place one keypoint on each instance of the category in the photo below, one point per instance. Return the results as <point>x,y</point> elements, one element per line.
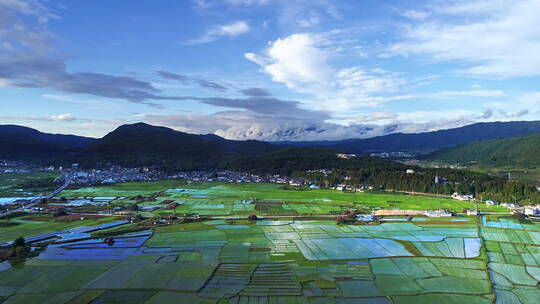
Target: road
<point>67,181</point>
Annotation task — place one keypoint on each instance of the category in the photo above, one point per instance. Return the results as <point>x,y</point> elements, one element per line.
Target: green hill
<point>140,144</point>
<point>520,152</point>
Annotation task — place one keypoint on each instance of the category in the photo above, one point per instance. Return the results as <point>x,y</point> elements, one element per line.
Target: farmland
<point>26,184</point>
<point>214,198</point>
<point>225,258</point>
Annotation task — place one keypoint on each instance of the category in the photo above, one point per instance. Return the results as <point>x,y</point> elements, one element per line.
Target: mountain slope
<point>287,160</point>
<point>516,152</point>
<point>61,139</point>
<point>145,145</point>
<point>23,143</point>
<point>430,141</point>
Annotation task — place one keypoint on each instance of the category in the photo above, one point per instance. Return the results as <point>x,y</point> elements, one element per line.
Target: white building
<point>462,197</point>
<point>437,213</point>
<point>531,210</point>
<point>472,212</point>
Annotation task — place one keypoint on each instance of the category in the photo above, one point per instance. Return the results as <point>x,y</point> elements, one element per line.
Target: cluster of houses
<point>533,211</point>
<point>399,154</point>
<point>112,175</point>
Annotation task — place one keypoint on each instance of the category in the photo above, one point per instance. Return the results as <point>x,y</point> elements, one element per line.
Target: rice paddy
<point>17,185</point>
<point>212,198</point>
<point>285,260</point>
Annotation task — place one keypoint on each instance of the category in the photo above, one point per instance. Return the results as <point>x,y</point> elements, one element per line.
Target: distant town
<point>76,177</point>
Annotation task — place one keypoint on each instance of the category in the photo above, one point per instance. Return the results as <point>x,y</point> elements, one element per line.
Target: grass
<point>19,184</point>
<point>212,198</point>
<point>33,225</point>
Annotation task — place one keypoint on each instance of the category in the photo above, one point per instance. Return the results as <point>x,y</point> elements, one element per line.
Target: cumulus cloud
<point>495,39</point>
<point>243,125</point>
<point>260,116</point>
<point>301,62</point>
<point>63,117</point>
<point>233,29</point>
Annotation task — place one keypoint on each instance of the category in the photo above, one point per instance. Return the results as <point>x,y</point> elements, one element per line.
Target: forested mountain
<point>138,145</point>
<point>60,139</point>
<point>522,151</point>
<point>286,161</point>
<point>23,143</point>
<point>430,141</point>
<point>141,144</point>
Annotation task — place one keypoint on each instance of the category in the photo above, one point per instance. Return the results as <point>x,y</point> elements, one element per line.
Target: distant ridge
<point>142,144</point>
<point>61,139</point>
<point>429,141</point>
<point>522,151</point>
<point>23,143</point>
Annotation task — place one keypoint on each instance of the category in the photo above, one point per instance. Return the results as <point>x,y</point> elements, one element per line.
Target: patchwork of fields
<point>461,260</point>
<point>215,198</point>
<point>24,185</point>
<point>263,262</point>
<point>289,262</point>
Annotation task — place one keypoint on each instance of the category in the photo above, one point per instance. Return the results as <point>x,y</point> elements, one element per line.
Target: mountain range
<point>141,144</point>
<point>23,143</point>
<point>429,141</point>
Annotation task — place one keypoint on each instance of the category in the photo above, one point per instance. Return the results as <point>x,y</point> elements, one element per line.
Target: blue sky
<point>268,69</point>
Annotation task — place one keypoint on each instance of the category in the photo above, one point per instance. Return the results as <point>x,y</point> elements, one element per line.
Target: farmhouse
<point>462,197</point>
<point>437,213</point>
<point>531,211</point>
<point>472,212</point>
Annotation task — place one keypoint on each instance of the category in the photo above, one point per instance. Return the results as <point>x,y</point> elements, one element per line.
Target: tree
<point>59,212</point>
<point>253,217</point>
<point>19,247</point>
<point>19,242</point>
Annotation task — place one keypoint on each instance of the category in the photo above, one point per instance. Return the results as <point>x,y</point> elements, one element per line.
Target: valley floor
<point>493,258</point>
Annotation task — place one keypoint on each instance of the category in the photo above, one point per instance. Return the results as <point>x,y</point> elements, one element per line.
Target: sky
<point>274,70</point>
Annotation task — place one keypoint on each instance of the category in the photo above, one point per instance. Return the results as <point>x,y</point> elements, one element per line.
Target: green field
<point>26,184</point>
<point>426,260</point>
<point>262,262</point>
<point>226,199</point>
<point>33,225</point>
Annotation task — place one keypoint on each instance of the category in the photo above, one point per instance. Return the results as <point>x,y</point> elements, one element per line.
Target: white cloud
<point>63,117</point>
<point>231,29</point>
<point>302,63</point>
<point>416,15</point>
<point>494,39</point>
<point>5,83</point>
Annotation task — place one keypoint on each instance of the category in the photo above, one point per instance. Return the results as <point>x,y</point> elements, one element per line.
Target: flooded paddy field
<point>293,258</point>
<point>316,261</point>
